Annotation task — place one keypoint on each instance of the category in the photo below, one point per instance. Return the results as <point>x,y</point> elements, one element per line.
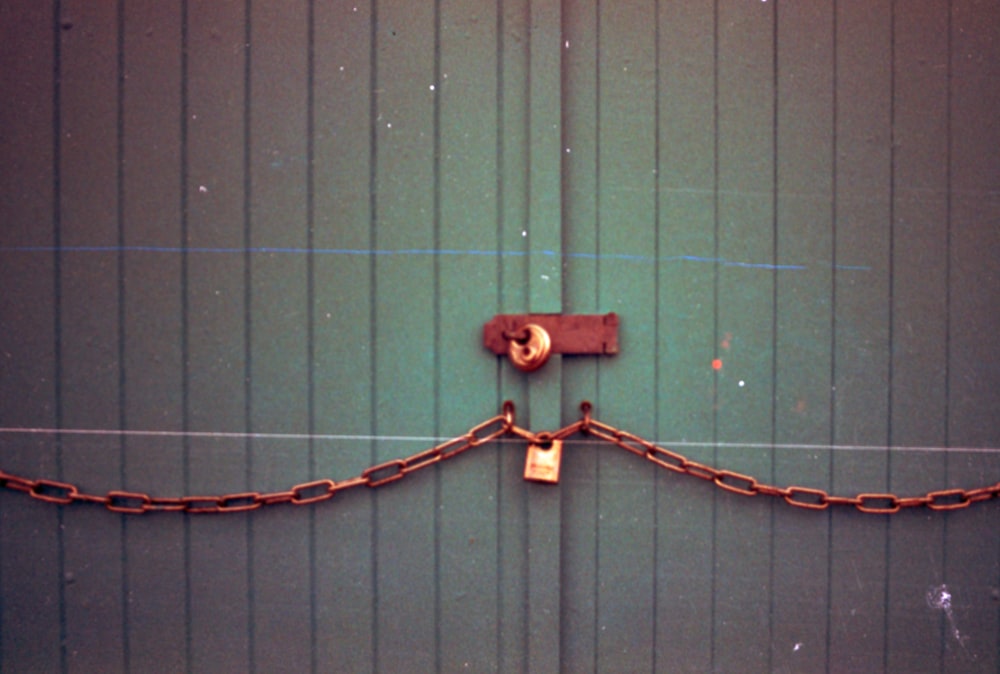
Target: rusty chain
<point>800,497</point>
<point>64,493</point>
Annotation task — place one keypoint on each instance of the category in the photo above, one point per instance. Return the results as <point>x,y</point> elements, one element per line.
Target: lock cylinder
<point>530,347</point>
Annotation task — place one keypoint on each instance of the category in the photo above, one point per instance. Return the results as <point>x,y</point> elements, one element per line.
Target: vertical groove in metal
<point>121,317</point>
<point>248,321</point>
<point>892,231</point>
<point>775,259</point>
<point>544,284</point>
<point>597,293</point>
<point>832,401</point>
<point>500,120</point>
<point>501,664</point>
<point>947,302</point>
<point>715,311</point>
<point>890,332</point>
<point>185,328</point>
<point>436,318</point>
<point>311,318</point>
<point>373,315</point>
<point>57,312</point>
<point>657,211</point>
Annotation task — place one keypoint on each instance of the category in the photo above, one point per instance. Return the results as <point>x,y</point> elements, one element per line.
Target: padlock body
<point>542,462</point>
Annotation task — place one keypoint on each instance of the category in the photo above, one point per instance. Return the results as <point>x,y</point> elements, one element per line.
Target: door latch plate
<point>580,334</point>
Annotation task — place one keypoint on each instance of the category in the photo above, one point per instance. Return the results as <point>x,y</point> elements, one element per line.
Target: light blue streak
<point>270,250</point>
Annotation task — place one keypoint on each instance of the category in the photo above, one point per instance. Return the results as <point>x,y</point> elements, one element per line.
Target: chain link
<point>307,493</point>
<point>800,497</point>
<point>137,503</point>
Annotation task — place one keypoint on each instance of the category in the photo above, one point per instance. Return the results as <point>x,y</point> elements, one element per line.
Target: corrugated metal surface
<point>261,238</point>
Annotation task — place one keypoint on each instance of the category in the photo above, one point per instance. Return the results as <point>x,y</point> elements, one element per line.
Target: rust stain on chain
<point>494,428</point>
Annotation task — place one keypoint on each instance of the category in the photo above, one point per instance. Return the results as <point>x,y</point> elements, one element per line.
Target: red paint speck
<point>717,364</point>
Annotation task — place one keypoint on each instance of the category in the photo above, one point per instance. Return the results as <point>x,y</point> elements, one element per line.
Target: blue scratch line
<point>273,250</point>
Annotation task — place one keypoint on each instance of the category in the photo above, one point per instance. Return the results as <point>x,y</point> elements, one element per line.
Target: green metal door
<point>249,246</point>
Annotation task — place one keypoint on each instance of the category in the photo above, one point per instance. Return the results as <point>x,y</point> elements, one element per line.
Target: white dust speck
<point>202,189</point>
<point>742,383</point>
<point>567,44</point>
<point>524,232</point>
<point>940,598</point>
<point>569,150</point>
<point>432,87</point>
<point>341,68</point>
<point>545,277</point>
<point>797,647</point>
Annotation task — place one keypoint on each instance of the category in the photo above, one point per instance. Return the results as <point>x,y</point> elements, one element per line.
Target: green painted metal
<point>543,400</point>
<point>271,233</point>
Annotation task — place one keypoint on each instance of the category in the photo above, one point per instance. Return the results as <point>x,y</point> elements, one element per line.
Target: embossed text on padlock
<point>530,347</point>
<point>542,462</point>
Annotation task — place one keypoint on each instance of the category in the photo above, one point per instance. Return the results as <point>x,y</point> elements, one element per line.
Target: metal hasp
<point>578,335</point>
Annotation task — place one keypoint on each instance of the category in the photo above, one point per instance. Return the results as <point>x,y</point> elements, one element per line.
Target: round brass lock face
<point>531,349</point>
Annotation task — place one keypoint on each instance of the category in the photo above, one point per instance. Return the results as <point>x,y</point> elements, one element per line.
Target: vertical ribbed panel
<point>249,245</point>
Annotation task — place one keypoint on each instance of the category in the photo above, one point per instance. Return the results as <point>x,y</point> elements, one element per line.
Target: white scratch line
<point>841,448</point>
<point>213,434</point>
<point>419,438</point>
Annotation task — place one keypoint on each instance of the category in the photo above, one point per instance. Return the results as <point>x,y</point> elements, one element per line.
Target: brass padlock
<point>531,349</point>
<point>542,463</point>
